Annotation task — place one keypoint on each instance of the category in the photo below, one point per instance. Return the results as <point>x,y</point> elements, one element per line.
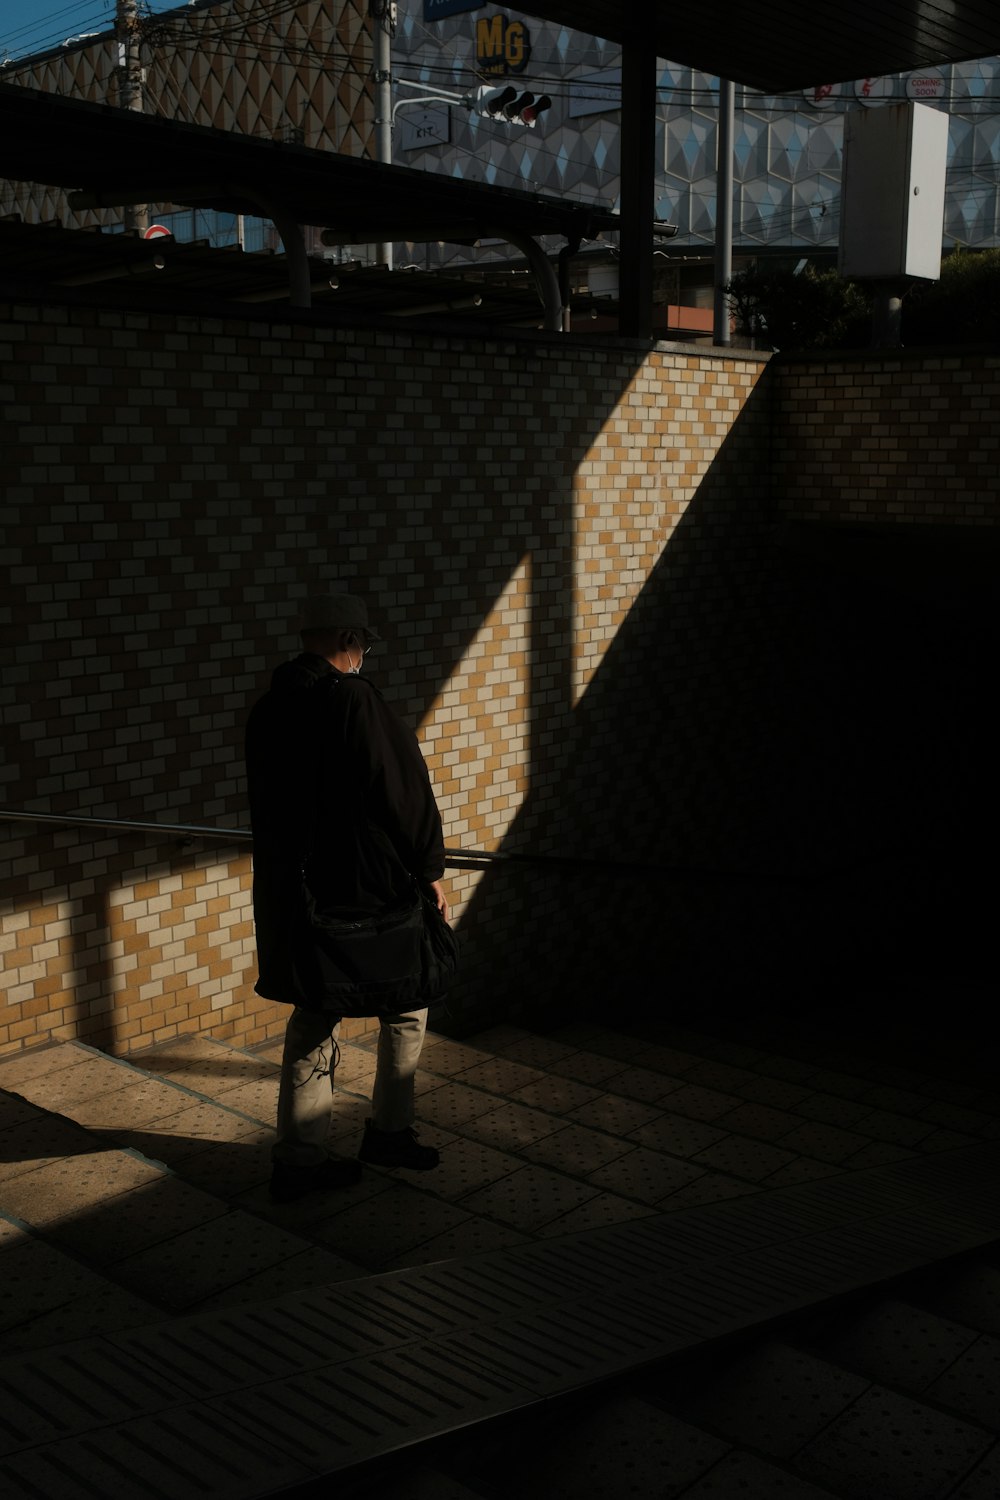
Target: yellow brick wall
<point>570,552</point>
<point>177,486</point>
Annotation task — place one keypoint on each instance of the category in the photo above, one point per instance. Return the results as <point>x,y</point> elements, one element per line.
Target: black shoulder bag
<point>379,963</point>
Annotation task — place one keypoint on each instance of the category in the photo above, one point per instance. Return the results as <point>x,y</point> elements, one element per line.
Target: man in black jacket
<point>342,814</point>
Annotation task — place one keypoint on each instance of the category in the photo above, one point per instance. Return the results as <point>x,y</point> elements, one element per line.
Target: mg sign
<point>502,46</point>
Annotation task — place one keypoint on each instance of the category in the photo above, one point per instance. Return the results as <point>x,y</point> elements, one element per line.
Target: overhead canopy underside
<point>779,45</point>
<point>106,156</point>
<point>115,157</point>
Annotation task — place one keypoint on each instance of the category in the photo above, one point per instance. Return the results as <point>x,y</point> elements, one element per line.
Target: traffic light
<point>510,106</point>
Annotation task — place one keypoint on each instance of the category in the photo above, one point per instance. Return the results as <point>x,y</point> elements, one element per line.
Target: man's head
<point>332,624</point>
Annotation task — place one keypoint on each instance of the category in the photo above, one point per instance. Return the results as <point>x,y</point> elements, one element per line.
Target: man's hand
<point>440,899</point>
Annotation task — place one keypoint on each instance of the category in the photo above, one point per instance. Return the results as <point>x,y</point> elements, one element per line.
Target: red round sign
<point>156,232</point>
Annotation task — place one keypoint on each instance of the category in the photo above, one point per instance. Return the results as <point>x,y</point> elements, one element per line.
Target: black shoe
<point>396,1148</point>
<point>289,1182</point>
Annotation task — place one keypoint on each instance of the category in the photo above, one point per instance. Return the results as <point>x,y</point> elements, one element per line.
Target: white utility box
<point>892,192</point>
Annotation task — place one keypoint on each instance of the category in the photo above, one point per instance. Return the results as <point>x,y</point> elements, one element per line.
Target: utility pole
<point>383,14</point>
<point>724,212</point>
<point>130,84</point>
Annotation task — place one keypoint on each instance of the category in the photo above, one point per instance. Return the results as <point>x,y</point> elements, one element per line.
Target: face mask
<point>356,670</point>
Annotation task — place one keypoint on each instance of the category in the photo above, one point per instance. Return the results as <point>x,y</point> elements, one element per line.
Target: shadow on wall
<point>183,603</point>
<point>791,801</point>
<point>761,769</point>
<point>131,940</point>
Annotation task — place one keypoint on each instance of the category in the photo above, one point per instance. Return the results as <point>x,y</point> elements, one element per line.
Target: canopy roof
<point>116,156</point>
<point>778,45</point>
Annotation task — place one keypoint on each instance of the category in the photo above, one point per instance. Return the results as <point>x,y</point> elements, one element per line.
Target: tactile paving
<point>391,1359</point>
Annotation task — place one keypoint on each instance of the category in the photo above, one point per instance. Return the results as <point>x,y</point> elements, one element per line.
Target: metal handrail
<point>456,858</point>
<point>477,859</point>
<point>124,825</point>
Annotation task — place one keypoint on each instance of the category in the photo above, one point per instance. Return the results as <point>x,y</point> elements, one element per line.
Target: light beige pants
<point>308,1064</point>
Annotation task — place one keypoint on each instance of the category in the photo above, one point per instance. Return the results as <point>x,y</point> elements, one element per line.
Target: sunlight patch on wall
<point>623,511</point>
<point>476,734</point>
<point>640,476</point>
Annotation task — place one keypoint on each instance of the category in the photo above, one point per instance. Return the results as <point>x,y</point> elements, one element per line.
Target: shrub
<point>962,308</point>
<point>807,309</point>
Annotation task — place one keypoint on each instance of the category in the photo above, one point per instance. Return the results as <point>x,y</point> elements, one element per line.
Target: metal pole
<point>129,75</point>
<point>887,310</point>
<point>383,14</point>
<point>724,211</point>
<point>638,179</point>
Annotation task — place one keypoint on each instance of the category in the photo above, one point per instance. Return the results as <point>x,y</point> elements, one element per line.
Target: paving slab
<point>465,1166</point>
<point>70,1186</point>
<point>745,1476</point>
<point>512,1127</point>
<point>497,1074</point>
<point>615,1114</point>
<point>530,1197</point>
<point>676,1135</point>
<point>764,1242</point>
<point>258,1099</point>
<point>21,1068</point>
<point>888,1447</point>
<point>491,1333</point>
<point>197,1262</point>
<point>595,1213</point>
<point>382,1228</point>
<point>971,1385</point>
<point>194,1127</point>
<point>898,1344</point>
<point>647,1176</point>
<point>983,1483</point>
<point>753,1160</point>
<point>15,1111</point>
<point>231,1169</point>
<point>309,1267</point>
<point>37,1140</point>
<point>588,1067</point>
<point>968,1294</point>
<point>38,1281</point>
<point>190,1451</point>
<point>93,1311</point>
<point>776,1399</point>
<point>556,1095</point>
<point>576,1149</point>
<point>134,1101</point>
<point>624,1446</point>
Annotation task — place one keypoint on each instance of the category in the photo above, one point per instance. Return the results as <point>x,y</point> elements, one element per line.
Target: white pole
<point>383,13</point>
<point>136,216</point>
<point>724,211</point>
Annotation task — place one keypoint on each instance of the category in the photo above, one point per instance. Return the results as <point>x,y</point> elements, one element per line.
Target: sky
<point>28,26</point>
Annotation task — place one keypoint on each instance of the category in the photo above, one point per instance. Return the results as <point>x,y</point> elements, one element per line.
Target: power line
<point>49,40</point>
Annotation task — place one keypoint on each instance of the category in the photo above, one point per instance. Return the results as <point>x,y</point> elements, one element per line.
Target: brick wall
<point>624,604</point>
<point>175,486</point>
<point>907,436</point>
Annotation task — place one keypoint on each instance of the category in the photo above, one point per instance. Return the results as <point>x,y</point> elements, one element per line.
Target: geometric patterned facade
<point>288,72</point>
<point>787,148</point>
<point>304,72</point>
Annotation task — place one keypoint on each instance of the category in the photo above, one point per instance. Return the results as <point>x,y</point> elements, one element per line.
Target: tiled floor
<point>152,1172</point>
<point>133,1193</point>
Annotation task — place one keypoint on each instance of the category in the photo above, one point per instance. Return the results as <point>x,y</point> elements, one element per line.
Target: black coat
<point>341,809</point>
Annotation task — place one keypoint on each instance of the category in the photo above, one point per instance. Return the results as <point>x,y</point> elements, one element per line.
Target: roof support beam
<point>290,232</point>
<point>542,270</point>
<point>638,176</point>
